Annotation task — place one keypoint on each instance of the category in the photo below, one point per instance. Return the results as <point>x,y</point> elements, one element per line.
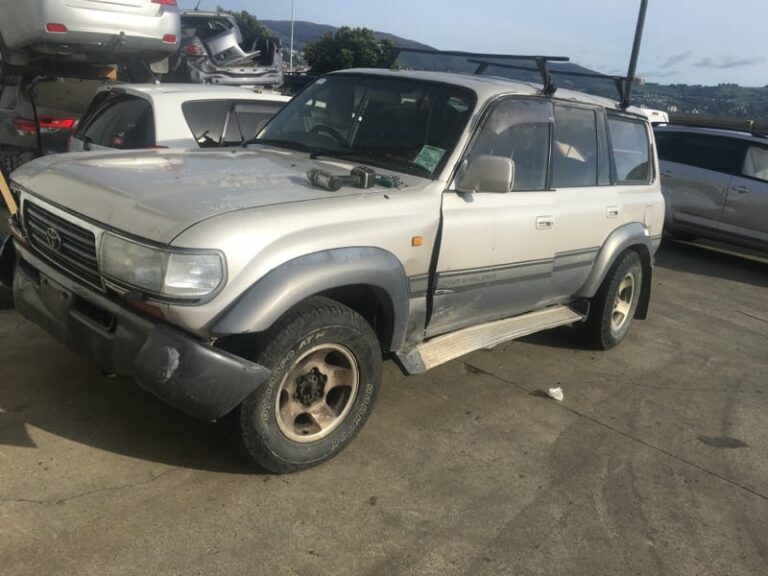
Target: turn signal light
<point>57,28</point>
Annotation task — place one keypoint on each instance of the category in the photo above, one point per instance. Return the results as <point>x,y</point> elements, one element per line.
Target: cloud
<point>659,74</point>
<point>723,62</point>
<point>676,59</point>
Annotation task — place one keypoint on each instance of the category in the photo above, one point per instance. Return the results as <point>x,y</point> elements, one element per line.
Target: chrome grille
<point>65,244</point>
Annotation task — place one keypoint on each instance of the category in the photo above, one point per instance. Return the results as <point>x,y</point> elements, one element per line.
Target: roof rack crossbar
<point>396,51</point>
<point>619,81</point>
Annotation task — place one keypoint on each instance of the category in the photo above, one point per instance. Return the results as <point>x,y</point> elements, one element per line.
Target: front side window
<point>403,125</point>
<point>127,123</point>
<point>756,163</point>
<point>631,150</point>
<point>518,129</point>
<point>574,150</point>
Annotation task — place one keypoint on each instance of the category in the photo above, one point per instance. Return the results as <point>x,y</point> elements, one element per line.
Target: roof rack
<point>542,62</point>
<point>757,128</point>
<point>619,81</point>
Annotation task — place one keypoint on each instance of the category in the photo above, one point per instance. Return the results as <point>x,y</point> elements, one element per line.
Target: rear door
<point>588,205</point>
<point>696,172</point>
<point>746,206</point>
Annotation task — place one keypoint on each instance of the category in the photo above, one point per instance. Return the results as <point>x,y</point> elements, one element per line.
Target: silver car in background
<point>715,183</point>
<point>82,29</point>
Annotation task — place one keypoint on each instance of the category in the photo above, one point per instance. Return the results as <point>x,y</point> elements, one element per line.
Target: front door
<point>497,250</point>
<point>746,207</point>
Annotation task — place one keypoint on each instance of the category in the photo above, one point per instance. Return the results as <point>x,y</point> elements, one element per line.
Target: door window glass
<point>126,124</point>
<point>631,150</point>
<point>574,150</point>
<point>756,163</point>
<point>519,129</point>
<point>206,120</point>
<point>701,151</point>
<point>247,119</point>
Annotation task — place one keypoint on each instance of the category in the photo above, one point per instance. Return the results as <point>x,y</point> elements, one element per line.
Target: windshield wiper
<point>374,157</point>
<point>280,143</point>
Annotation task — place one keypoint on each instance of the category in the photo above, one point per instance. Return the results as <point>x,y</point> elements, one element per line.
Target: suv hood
<point>157,194</point>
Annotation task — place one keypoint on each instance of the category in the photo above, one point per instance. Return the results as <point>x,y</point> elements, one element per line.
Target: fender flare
<point>296,280</point>
<point>628,236</point>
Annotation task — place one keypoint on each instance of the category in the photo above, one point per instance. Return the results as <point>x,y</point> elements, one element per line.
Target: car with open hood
<point>409,215</point>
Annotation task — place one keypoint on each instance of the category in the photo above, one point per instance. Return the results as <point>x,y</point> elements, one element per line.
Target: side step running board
<point>445,348</point>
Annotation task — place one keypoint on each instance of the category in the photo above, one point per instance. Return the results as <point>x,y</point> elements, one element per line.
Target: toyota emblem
<point>53,239</point>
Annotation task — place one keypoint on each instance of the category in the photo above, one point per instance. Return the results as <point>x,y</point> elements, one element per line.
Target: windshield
<point>402,125</point>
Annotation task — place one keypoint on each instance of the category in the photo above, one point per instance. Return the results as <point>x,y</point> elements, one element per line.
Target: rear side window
<point>574,150</point>
<point>631,150</point>
<point>247,119</point>
<point>206,120</point>
<point>701,151</point>
<point>126,123</point>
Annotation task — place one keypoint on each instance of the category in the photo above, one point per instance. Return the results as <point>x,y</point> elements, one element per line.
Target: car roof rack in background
<point>757,128</point>
<point>542,62</point>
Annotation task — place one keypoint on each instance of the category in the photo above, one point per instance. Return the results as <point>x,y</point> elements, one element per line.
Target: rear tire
<point>326,372</point>
<point>613,307</point>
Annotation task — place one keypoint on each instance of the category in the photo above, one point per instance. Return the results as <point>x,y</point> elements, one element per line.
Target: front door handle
<point>545,223</point>
<point>741,189</point>
<point>667,173</point>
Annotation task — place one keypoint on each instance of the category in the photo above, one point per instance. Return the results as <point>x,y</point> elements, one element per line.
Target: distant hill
<point>305,32</point>
<point>728,100</point>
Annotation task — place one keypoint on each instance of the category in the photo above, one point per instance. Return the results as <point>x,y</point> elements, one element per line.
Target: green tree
<point>347,48</point>
<point>248,18</point>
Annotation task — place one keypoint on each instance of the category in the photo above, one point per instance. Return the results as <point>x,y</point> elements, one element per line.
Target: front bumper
<point>190,375</point>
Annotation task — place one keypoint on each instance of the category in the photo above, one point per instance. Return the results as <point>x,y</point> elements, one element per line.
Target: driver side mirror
<point>487,174</point>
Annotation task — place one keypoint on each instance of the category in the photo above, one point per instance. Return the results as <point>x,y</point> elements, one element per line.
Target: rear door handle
<point>741,189</point>
<point>545,223</point>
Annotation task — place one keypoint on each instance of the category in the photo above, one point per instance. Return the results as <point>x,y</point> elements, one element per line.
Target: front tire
<point>326,373</point>
<point>613,307</point>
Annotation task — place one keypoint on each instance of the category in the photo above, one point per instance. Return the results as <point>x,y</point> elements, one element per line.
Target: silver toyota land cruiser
<point>402,214</point>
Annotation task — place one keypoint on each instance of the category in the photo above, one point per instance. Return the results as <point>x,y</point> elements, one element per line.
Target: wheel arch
<point>369,280</point>
<point>635,237</point>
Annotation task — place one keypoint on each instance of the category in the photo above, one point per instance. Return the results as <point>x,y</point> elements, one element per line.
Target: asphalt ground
<point>656,462</point>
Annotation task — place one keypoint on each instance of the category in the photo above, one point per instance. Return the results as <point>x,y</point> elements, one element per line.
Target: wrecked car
<point>87,30</point>
<point>216,48</point>
<point>409,215</point>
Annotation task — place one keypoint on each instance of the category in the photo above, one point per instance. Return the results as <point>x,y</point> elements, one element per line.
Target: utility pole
<point>635,53</point>
<point>293,16</point>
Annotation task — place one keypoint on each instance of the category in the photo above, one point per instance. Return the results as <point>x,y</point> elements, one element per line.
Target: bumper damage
<point>188,374</point>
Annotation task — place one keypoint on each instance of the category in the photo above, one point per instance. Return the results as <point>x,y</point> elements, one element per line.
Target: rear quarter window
<point>125,123</point>
<point>631,150</point>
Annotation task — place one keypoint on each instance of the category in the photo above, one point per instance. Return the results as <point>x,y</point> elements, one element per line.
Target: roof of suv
<point>741,135</point>
<point>197,92</point>
<point>487,86</point>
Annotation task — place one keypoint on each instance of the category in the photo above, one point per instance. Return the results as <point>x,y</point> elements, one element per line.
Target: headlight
<point>163,272</point>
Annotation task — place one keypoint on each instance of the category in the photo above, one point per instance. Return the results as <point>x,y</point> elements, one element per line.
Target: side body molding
<point>287,285</point>
<point>633,234</point>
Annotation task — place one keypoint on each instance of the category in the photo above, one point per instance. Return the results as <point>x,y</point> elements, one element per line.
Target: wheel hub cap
<point>310,387</point>
<point>622,306</point>
<point>317,393</point>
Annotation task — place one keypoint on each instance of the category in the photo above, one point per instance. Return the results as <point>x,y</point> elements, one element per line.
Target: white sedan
<point>130,117</point>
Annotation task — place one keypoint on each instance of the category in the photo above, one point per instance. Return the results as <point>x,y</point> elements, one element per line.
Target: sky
<point>686,41</point>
